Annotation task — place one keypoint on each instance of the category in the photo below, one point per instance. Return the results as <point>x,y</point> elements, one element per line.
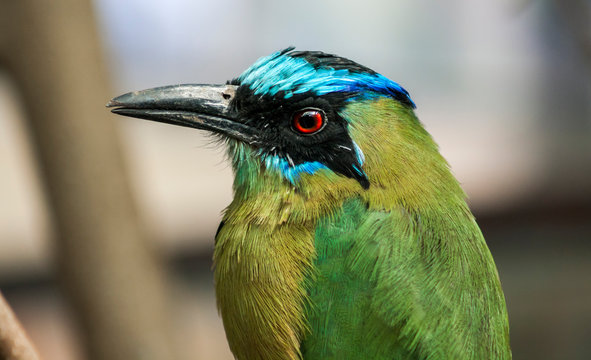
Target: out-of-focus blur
<point>503,86</point>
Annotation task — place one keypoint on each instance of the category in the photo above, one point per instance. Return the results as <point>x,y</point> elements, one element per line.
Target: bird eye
<point>308,121</point>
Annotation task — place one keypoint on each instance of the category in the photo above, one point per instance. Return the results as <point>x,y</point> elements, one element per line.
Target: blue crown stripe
<point>280,72</point>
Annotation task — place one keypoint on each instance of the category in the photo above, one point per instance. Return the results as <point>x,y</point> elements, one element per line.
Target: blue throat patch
<point>293,172</point>
<point>280,72</point>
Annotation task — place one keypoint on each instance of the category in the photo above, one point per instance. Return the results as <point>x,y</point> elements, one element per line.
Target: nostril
<point>226,96</point>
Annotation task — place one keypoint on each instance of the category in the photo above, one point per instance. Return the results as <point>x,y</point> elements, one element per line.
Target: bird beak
<point>205,107</point>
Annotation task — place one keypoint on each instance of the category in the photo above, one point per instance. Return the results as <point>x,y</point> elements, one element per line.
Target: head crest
<point>290,72</point>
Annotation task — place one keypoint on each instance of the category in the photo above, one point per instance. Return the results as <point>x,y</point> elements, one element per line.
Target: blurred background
<point>107,223</point>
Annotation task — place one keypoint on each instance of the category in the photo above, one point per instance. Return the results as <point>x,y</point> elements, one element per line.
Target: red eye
<point>308,121</point>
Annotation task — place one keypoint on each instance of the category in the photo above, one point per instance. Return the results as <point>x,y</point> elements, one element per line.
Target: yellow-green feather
<point>326,269</point>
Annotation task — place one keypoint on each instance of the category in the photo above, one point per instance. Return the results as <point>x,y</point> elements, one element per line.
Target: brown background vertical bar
<point>109,274</point>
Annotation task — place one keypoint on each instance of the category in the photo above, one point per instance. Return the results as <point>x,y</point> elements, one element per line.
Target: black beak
<point>204,107</point>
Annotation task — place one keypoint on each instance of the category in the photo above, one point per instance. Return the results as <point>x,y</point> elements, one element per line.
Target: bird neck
<point>403,162</point>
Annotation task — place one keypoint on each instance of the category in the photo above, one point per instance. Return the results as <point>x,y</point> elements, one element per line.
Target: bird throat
<point>265,252</point>
<point>262,258</point>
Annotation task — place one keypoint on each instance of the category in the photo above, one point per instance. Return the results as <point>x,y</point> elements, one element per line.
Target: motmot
<point>348,237</point>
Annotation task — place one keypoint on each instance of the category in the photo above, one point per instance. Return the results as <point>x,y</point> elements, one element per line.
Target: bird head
<point>298,117</point>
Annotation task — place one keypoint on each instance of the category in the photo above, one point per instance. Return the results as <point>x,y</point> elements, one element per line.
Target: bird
<point>347,237</point>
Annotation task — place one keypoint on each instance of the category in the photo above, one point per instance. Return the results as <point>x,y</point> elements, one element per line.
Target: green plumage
<point>386,292</point>
<point>348,237</point>
<point>327,270</point>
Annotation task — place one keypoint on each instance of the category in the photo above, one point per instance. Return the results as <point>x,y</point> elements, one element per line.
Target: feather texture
<point>324,269</point>
<point>348,237</point>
